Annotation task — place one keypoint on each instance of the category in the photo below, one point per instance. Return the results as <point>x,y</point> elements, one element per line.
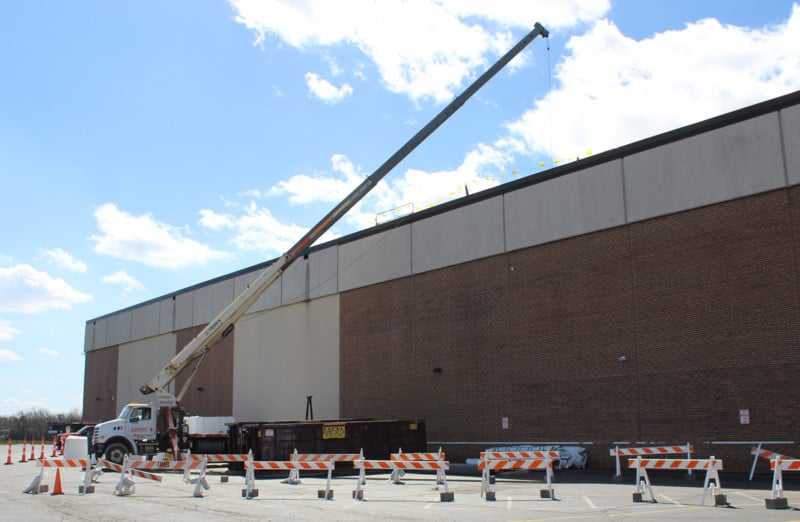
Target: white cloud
<point>9,356</point>
<point>64,259</point>
<point>609,89</point>
<point>7,332</point>
<point>27,290</point>
<point>257,229</point>
<point>143,239</point>
<point>214,221</point>
<point>25,404</point>
<point>302,188</point>
<point>128,282</point>
<point>614,89</point>
<point>447,46</point>
<point>325,90</point>
<point>49,353</point>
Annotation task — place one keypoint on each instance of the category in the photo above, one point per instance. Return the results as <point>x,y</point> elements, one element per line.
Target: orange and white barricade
<point>126,484</point>
<point>294,474</point>
<point>90,475</point>
<point>36,485</point>
<point>649,451</point>
<point>391,465</point>
<point>398,473</point>
<point>196,463</point>
<point>711,465</point>
<point>764,454</point>
<point>251,466</point>
<point>516,460</point>
<point>779,465</point>
<point>214,458</point>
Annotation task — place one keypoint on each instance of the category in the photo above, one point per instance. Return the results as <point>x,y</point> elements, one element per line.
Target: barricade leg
<point>440,478</point>
<point>548,491</point>
<point>87,486</point>
<point>250,490</point>
<point>200,481</point>
<point>712,481</point>
<point>642,483</point>
<point>294,474</point>
<point>358,493</point>
<point>485,492</point>
<point>126,484</point>
<point>444,496</point>
<point>327,493</point>
<point>777,500</point>
<point>36,485</point>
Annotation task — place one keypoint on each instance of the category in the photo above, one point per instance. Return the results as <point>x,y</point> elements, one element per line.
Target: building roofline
<point>681,133</point>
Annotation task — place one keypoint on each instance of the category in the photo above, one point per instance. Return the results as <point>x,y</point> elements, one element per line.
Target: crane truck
<point>145,429</point>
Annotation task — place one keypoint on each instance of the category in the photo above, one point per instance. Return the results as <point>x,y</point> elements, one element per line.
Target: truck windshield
<point>126,412</point>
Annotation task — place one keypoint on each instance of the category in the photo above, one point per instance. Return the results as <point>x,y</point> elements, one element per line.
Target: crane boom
<point>223,323</point>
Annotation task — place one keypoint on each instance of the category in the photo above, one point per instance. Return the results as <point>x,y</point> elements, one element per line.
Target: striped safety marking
<point>65,463</point>
<point>416,456</point>
<point>326,457</point>
<point>766,454</point>
<point>291,464</point>
<point>654,450</point>
<point>165,465</point>
<point>138,473</point>
<point>515,464</point>
<point>401,464</point>
<point>785,465</point>
<point>674,464</point>
<point>218,458</point>
<point>510,455</point>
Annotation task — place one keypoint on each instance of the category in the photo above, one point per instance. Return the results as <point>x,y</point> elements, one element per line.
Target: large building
<point>650,293</point>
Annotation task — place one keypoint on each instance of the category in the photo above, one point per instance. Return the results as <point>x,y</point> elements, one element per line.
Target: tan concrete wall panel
<point>283,355</point>
<point>375,258</point>
<point>139,361</point>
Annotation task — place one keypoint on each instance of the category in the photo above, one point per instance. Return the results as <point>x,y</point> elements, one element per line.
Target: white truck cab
<point>133,431</point>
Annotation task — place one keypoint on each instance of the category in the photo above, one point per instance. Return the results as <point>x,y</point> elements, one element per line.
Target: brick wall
<point>660,331</point>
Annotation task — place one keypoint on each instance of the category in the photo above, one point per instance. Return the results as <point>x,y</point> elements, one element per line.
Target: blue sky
<point>149,146</point>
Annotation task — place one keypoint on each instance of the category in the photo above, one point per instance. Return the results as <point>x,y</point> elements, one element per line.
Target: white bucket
<point>76,448</point>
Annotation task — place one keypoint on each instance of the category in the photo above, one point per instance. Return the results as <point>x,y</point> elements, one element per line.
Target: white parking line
<point>591,504</point>
<point>509,502</point>
<point>748,496</point>
<point>670,500</point>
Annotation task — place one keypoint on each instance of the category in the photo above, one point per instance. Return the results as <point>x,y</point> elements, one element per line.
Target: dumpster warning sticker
<point>333,432</point>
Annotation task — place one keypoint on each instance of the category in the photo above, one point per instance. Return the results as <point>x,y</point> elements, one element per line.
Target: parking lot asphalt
<point>578,495</point>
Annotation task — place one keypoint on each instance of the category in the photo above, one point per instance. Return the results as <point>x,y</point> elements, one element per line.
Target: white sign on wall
<point>744,416</point>
<point>505,423</point>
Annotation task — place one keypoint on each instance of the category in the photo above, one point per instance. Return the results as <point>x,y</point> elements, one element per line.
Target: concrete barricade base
<point>546,493</point>
<point>85,489</point>
<point>326,494</point>
<point>446,496</point>
<point>253,493</point>
<point>777,503</point>
<point>490,496</point>
<point>358,494</point>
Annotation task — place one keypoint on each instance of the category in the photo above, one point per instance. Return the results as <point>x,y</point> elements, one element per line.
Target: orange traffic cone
<point>8,460</point>
<point>57,486</point>
<point>33,449</point>
<point>41,455</point>
<point>24,450</point>
<point>55,452</point>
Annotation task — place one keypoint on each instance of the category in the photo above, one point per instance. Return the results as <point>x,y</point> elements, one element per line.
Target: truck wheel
<point>116,453</point>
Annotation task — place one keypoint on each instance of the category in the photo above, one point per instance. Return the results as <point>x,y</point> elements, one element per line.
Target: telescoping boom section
<point>223,323</point>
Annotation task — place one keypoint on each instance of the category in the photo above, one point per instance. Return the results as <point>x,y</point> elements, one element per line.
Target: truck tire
<point>115,452</point>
